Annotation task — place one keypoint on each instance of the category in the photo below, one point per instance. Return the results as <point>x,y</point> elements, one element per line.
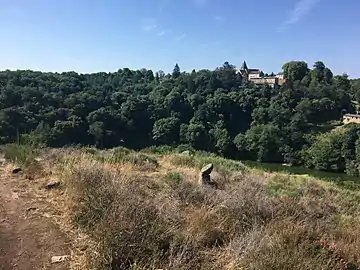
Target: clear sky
<point>105,35</point>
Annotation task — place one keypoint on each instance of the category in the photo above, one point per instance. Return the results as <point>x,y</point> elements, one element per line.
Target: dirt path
<point>28,238</point>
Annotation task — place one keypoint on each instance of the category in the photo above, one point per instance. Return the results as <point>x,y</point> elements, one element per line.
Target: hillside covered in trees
<point>208,110</point>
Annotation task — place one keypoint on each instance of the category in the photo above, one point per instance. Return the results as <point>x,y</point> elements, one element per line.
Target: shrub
<point>270,247</point>
<point>163,149</point>
<point>281,185</point>
<point>21,154</point>
<point>33,138</point>
<point>92,192</point>
<point>140,160</point>
<point>119,153</point>
<point>120,215</point>
<point>352,168</point>
<point>174,178</point>
<point>184,147</point>
<point>185,161</point>
<point>91,150</point>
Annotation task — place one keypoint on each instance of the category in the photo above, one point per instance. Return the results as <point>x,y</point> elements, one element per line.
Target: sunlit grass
<point>163,219</point>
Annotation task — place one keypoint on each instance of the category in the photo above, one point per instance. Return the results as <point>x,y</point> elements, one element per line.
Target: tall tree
<point>176,71</point>
<point>295,70</point>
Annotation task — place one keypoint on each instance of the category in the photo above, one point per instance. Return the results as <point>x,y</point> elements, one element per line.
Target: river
<point>339,178</point>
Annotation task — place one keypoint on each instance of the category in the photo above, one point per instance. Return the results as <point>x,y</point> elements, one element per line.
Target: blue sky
<point>90,36</point>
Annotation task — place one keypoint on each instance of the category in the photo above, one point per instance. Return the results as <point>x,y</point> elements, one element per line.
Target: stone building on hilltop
<point>257,76</point>
<point>351,118</point>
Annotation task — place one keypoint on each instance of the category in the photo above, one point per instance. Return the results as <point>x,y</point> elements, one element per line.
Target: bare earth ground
<point>28,238</point>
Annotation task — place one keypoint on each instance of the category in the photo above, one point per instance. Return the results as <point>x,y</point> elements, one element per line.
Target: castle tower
<point>244,67</point>
<point>244,71</point>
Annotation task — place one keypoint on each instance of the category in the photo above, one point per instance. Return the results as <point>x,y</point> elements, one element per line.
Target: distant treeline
<point>208,110</point>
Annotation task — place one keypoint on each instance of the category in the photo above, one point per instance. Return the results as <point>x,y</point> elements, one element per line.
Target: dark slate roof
<point>253,70</point>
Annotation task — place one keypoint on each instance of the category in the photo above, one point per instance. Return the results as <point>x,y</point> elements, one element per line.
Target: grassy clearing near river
<point>146,211</point>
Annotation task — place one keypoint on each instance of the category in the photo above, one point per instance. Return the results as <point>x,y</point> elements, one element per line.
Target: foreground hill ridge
<point>145,210</point>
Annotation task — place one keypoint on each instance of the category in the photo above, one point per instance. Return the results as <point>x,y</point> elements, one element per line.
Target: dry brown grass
<point>157,217</point>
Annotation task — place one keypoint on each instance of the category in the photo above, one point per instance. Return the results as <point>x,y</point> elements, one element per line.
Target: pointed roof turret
<point>244,66</point>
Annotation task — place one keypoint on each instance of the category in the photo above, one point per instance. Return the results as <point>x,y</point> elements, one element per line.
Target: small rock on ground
<point>16,170</point>
<point>207,169</point>
<point>52,184</point>
<point>58,259</point>
<point>186,153</point>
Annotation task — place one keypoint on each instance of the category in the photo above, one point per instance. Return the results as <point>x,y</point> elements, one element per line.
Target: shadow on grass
<point>340,179</point>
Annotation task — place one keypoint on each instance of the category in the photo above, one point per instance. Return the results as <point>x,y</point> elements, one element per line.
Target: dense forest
<point>215,111</point>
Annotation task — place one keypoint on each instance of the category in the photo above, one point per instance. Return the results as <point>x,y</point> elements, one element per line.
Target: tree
<point>176,71</point>
<point>325,153</point>
<point>97,130</point>
<point>221,138</point>
<point>321,73</point>
<point>295,70</point>
<point>264,142</point>
<point>355,89</point>
<point>319,65</point>
<point>160,74</point>
<point>342,81</point>
<point>149,75</point>
<point>195,134</point>
<point>166,130</point>
<point>157,77</point>
<point>328,75</point>
<point>240,144</point>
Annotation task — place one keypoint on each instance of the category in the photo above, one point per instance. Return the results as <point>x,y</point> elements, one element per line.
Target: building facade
<point>351,118</point>
<point>257,76</point>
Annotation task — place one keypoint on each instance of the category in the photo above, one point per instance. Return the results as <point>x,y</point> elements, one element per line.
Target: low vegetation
<point>140,160</point>
<point>20,154</point>
<point>160,218</point>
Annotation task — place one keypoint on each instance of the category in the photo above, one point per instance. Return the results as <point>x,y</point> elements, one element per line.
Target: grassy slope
<point>146,211</point>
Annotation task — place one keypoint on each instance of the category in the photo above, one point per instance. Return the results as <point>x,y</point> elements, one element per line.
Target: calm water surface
<point>339,178</point>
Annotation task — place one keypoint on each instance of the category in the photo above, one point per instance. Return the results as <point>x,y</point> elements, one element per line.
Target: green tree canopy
<point>213,110</point>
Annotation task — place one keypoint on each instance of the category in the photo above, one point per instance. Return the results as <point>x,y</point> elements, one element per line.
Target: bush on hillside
<point>166,149</point>
<point>21,154</point>
<point>160,150</point>
<point>138,159</point>
<point>174,178</point>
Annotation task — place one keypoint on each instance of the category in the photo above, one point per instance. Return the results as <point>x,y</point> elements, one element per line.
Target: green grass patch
<point>340,179</point>
<point>174,178</point>
<point>120,153</point>
<point>140,159</point>
<point>186,161</point>
<point>91,150</point>
<point>159,150</point>
<point>124,155</point>
<point>200,159</point>
<point>20,154</point>
<point>285,185</point>
<point>166,149</point>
